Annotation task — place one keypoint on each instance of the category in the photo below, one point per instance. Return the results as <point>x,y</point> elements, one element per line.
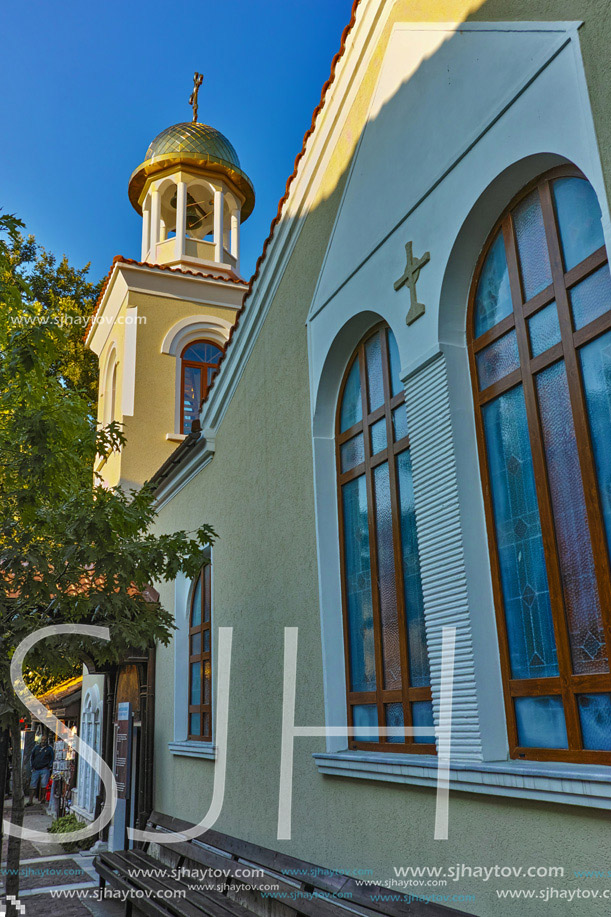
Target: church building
<point>399,429</point>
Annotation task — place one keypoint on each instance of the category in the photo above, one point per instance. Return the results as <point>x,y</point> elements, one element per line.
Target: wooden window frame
<point>381,696</point>
<point>566,684</point>
<point>204,367</point>
<point>204,578</point>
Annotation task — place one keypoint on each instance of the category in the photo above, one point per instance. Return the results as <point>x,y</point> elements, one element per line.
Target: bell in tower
<point>192,195</point>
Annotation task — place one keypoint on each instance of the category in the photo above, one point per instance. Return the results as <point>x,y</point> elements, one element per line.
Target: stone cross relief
<point>409,279</point>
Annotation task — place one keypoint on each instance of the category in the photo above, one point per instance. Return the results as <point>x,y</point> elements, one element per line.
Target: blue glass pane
<point>365,719</point>
<point>196,644</point>
<point>532,246</point>
<point>544,329</point>
<point>192,396</point>
<point>581,601</point>
<point>375,378</point>
<point>196,604</point>
<point>196,683</point>
<point>395,365</point>
<point>378,436</point>
<point>387,588</point>
<point>358,586</point>
<point>578,214</point>
<point>596,366</point>
<point>399,422</point>
<point>595,716</point>
<point>394,717</point>
<point>541,722</point>
<point>493,296</point>
<point>414,605</point>
<point>497,360</point>
<point>422,715</point>
<point>206,641</point>
<point>352,407</point>
<point>591,297</point>
<point>194,727</point>
<point>202,353</point>
<point>528,616</point>
<point>352,452</point>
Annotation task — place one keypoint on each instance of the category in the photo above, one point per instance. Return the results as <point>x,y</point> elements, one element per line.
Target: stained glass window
<point>545,461</point>
<point>200,657</point>
<point>199,364</point>
<point>387,661</point>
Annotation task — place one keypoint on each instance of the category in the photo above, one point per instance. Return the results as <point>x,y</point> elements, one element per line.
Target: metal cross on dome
<point>409,278</point>
<point>198,79</point>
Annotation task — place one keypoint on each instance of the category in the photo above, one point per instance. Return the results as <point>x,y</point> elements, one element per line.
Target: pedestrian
<point>41,761</point>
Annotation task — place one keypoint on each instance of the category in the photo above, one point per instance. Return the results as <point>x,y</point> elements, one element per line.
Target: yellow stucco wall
<point>258,494</point>
<point>155,383</point>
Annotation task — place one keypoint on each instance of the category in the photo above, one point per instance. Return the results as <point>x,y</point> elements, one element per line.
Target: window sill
<point>572,784</point>
<point>192,749</point>
<point>176,437</point>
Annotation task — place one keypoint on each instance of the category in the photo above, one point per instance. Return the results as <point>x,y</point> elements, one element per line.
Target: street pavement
<point>51,879</point>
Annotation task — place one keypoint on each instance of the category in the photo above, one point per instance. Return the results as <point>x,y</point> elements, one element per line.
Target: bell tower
<point>192,195</point>
<point>162,323</point>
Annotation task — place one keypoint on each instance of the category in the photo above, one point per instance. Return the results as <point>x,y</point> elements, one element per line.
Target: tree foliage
<point>69,551</point>
<point>61,294</point>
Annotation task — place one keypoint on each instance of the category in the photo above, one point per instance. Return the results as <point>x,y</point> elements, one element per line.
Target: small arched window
<point>200,657</point>
<point>199,365</point>
<point>387,667</point>
<point>540,350</point>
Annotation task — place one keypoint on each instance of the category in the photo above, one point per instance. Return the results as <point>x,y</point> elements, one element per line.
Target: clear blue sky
<point>86,87</point>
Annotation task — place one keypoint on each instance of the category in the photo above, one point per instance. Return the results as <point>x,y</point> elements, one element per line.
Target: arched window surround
<point>398,700</point>
<point>186,331</point>
<point>567,685</point>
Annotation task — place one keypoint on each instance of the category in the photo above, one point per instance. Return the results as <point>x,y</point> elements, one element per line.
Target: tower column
<point>235,237</point>
<point>218,225</point>
<point>155,221</point>
<point>181,219</point>
<point>146,227</point>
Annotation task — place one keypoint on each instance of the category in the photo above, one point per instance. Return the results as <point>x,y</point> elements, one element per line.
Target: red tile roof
<point>119,259</point>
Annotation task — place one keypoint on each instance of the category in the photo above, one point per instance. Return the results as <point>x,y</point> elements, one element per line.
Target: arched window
<point>540,350</point>
<point>200,658</point>
<point>387,668</point>
<point>199,364</point>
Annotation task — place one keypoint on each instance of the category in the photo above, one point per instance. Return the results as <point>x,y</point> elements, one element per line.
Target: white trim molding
<point>569,784</point>
<point>440,548</point>
<point>128,378</point>
<point>193,328</point>
<point>192,749</point>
